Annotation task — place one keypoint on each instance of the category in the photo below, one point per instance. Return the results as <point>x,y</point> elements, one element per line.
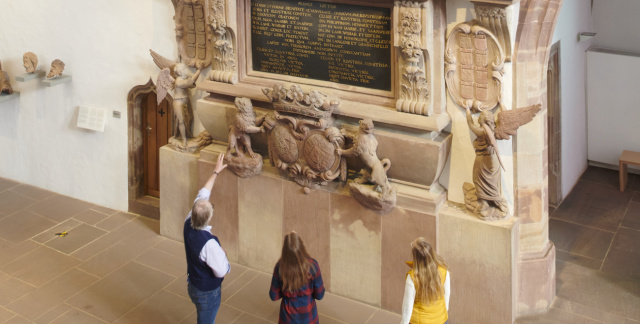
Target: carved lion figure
<point>365,146</point>
<point>245,123</point>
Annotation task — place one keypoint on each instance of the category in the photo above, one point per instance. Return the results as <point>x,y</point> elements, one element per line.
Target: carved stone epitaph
<point>224,62</point>
<point>414,86</point>
<point>474,62</point>
<point>192,33</point>
<point>301,138</point>
<point>494,18</point>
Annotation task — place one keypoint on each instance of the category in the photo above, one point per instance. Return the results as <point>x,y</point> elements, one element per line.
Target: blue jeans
<point>207,303</point>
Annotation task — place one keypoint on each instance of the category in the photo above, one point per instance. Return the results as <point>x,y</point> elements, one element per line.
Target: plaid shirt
<point>298,307</point>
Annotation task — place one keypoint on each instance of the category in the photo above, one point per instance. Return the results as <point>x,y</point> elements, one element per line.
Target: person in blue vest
<point>207,262</point>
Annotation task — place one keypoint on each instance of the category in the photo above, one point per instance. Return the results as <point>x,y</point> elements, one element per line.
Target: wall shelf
<point>7,97</point>
<point>30,76</point>
<point>57,81</point>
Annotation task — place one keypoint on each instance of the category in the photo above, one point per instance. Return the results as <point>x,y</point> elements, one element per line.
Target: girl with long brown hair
<point>297,280</point>
<point>426,293</point>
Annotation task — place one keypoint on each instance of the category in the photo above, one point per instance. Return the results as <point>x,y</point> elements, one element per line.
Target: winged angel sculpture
<point>483,197</point>
<point>176,77</point>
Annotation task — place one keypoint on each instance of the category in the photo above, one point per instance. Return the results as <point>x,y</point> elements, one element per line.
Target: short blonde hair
<point>201,213</point>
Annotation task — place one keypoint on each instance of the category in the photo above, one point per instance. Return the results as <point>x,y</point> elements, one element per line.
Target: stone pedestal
<point>482,258</point>
<point>536,281</point>
<point>179,187</point>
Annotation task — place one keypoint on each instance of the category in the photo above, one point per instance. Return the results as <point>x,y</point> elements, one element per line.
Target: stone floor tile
<point>53,314</point>
<point>50,233</point>
<point>23,225</point>
<point>632,216</point>
<point>135,227</point>
<point>120,291</point>
<point>594,205</point>
<point>40,266</point>
<point>623,258</point>
<point>179,286</point>
<point>116,220</point>
<point>579,240</point>
<point>118,254</point>
<point>347,310</point>
<point>60,208</point>
<point>76,238</point>
<point>634,184</point>
<point>46,298</point>
<point>77,316</point>
<point>167,263</point>
<point>9,252</point>
<point>251,319</point>
<point>18,320</point>
<point>104,210</point>
<point>630,321</point>
<point>163,307</point>
<point>253,298</point>
<point>193,318</point>
<point>328,320</point>
<point>4,277</point>
<point>11,202</point>
<point>32,192</point>
<point>90,217</point>
<point>636,196</point>
<point>603,176</point>
<point>13,289</point>
<point>555,316</point>
<point>226,314</point>
<point>172,247</point>
<point>230,288</point>
<point>7,184</point>
<point>5,314</point>
<point>384,317</point>
<point>577,259</point>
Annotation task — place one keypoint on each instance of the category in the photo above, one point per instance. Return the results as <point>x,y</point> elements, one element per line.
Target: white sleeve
<point>204,193</point>
<point>408,300</point>
<point>447,290</point>
<point>213,255</point>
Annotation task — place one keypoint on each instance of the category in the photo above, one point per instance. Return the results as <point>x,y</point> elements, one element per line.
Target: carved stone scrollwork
<point>192,34</point>
<point>414,84</point>
<point>494,18</point>
<point>224,62</point>
<point>301,138</point>
<point>474,67</point>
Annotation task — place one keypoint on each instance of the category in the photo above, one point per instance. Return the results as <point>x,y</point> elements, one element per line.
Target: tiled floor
<point>113,267</point>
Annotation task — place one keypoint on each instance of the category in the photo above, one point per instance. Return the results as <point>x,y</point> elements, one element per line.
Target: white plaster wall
<point>617,24</point>
<point>575,17</point>
<point>105,45</point>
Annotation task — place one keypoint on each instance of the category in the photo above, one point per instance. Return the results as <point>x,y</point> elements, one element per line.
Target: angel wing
<point>164,84</point>
<point>163,62</point>
<point>510,120</point>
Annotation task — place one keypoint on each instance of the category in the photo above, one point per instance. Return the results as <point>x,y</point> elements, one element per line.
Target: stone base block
<point>482,261</point>
<point>536,281</point>
<point>179,187</point>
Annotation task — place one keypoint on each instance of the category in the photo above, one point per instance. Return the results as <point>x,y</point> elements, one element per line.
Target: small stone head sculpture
<point>57,66</point>
<point>30,62</point>
<point>5,85</point>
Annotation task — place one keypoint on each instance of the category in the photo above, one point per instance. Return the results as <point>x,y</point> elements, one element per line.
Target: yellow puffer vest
<point>435,313</point>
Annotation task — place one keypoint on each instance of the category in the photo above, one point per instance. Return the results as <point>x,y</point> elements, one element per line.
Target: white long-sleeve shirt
<point>410,297</point>
<point>212,253</point>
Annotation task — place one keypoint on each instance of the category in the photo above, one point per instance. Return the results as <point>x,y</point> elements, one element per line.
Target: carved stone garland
<point>494,18</point>
<point>414,85</point>
<point>224,63</point>
<point>474,67</point>
<point>192,34</point>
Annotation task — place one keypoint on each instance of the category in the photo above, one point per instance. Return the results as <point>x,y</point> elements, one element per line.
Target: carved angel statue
<point>177,77</point>
<point>484,197</point>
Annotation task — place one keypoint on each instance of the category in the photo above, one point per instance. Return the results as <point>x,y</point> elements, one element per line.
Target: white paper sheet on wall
<point>92,118</point>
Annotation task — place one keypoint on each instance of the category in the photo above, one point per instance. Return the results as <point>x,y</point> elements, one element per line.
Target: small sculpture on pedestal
<point>57,66</point>
<point>243,161</point>
<point>5,85</point>
<point>30,62</point>
<point>484,196</point>
<point>372,189</point>
<point>177,77</point>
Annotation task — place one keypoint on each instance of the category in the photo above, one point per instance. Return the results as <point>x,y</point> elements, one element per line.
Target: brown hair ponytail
<point>294,263</point>
<point>426,276</point>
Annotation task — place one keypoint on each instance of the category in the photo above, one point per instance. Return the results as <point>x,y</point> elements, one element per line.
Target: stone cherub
<point>30,62</point>
<point>57,66</point>
<point>240,157</point>
<point>484,196</point>
<point>5,84</point>
<point>380,195</point>
<point>177,77</point>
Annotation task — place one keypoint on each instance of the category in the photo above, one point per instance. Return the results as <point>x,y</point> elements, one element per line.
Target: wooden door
<point>553,126</point>
<point>156,129</point>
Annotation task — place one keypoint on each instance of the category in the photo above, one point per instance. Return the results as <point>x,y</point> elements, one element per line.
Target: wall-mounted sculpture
<point>30,62</point>
<point>494,18</point>
<point>177,77</point>
<point>224,61</point>
<point>372,189</point>
<point>240,157</point>
<point>5,84</point>
<point>57,66</point>
<point>192,33</point>
<point>301,137</point>
<point>414,84</point>
<point>474,63</point>
<point>484,196</point>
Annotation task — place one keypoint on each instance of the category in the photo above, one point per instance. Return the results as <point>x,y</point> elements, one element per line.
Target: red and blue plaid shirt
<point>298,307</point>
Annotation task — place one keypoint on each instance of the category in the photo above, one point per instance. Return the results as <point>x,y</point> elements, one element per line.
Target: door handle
<point>149,129</point>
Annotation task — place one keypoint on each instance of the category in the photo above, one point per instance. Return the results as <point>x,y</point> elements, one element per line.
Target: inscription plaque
<point>340,43</point>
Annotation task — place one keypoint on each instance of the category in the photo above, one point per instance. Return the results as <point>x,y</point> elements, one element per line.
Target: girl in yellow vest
<point>426,291</point>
